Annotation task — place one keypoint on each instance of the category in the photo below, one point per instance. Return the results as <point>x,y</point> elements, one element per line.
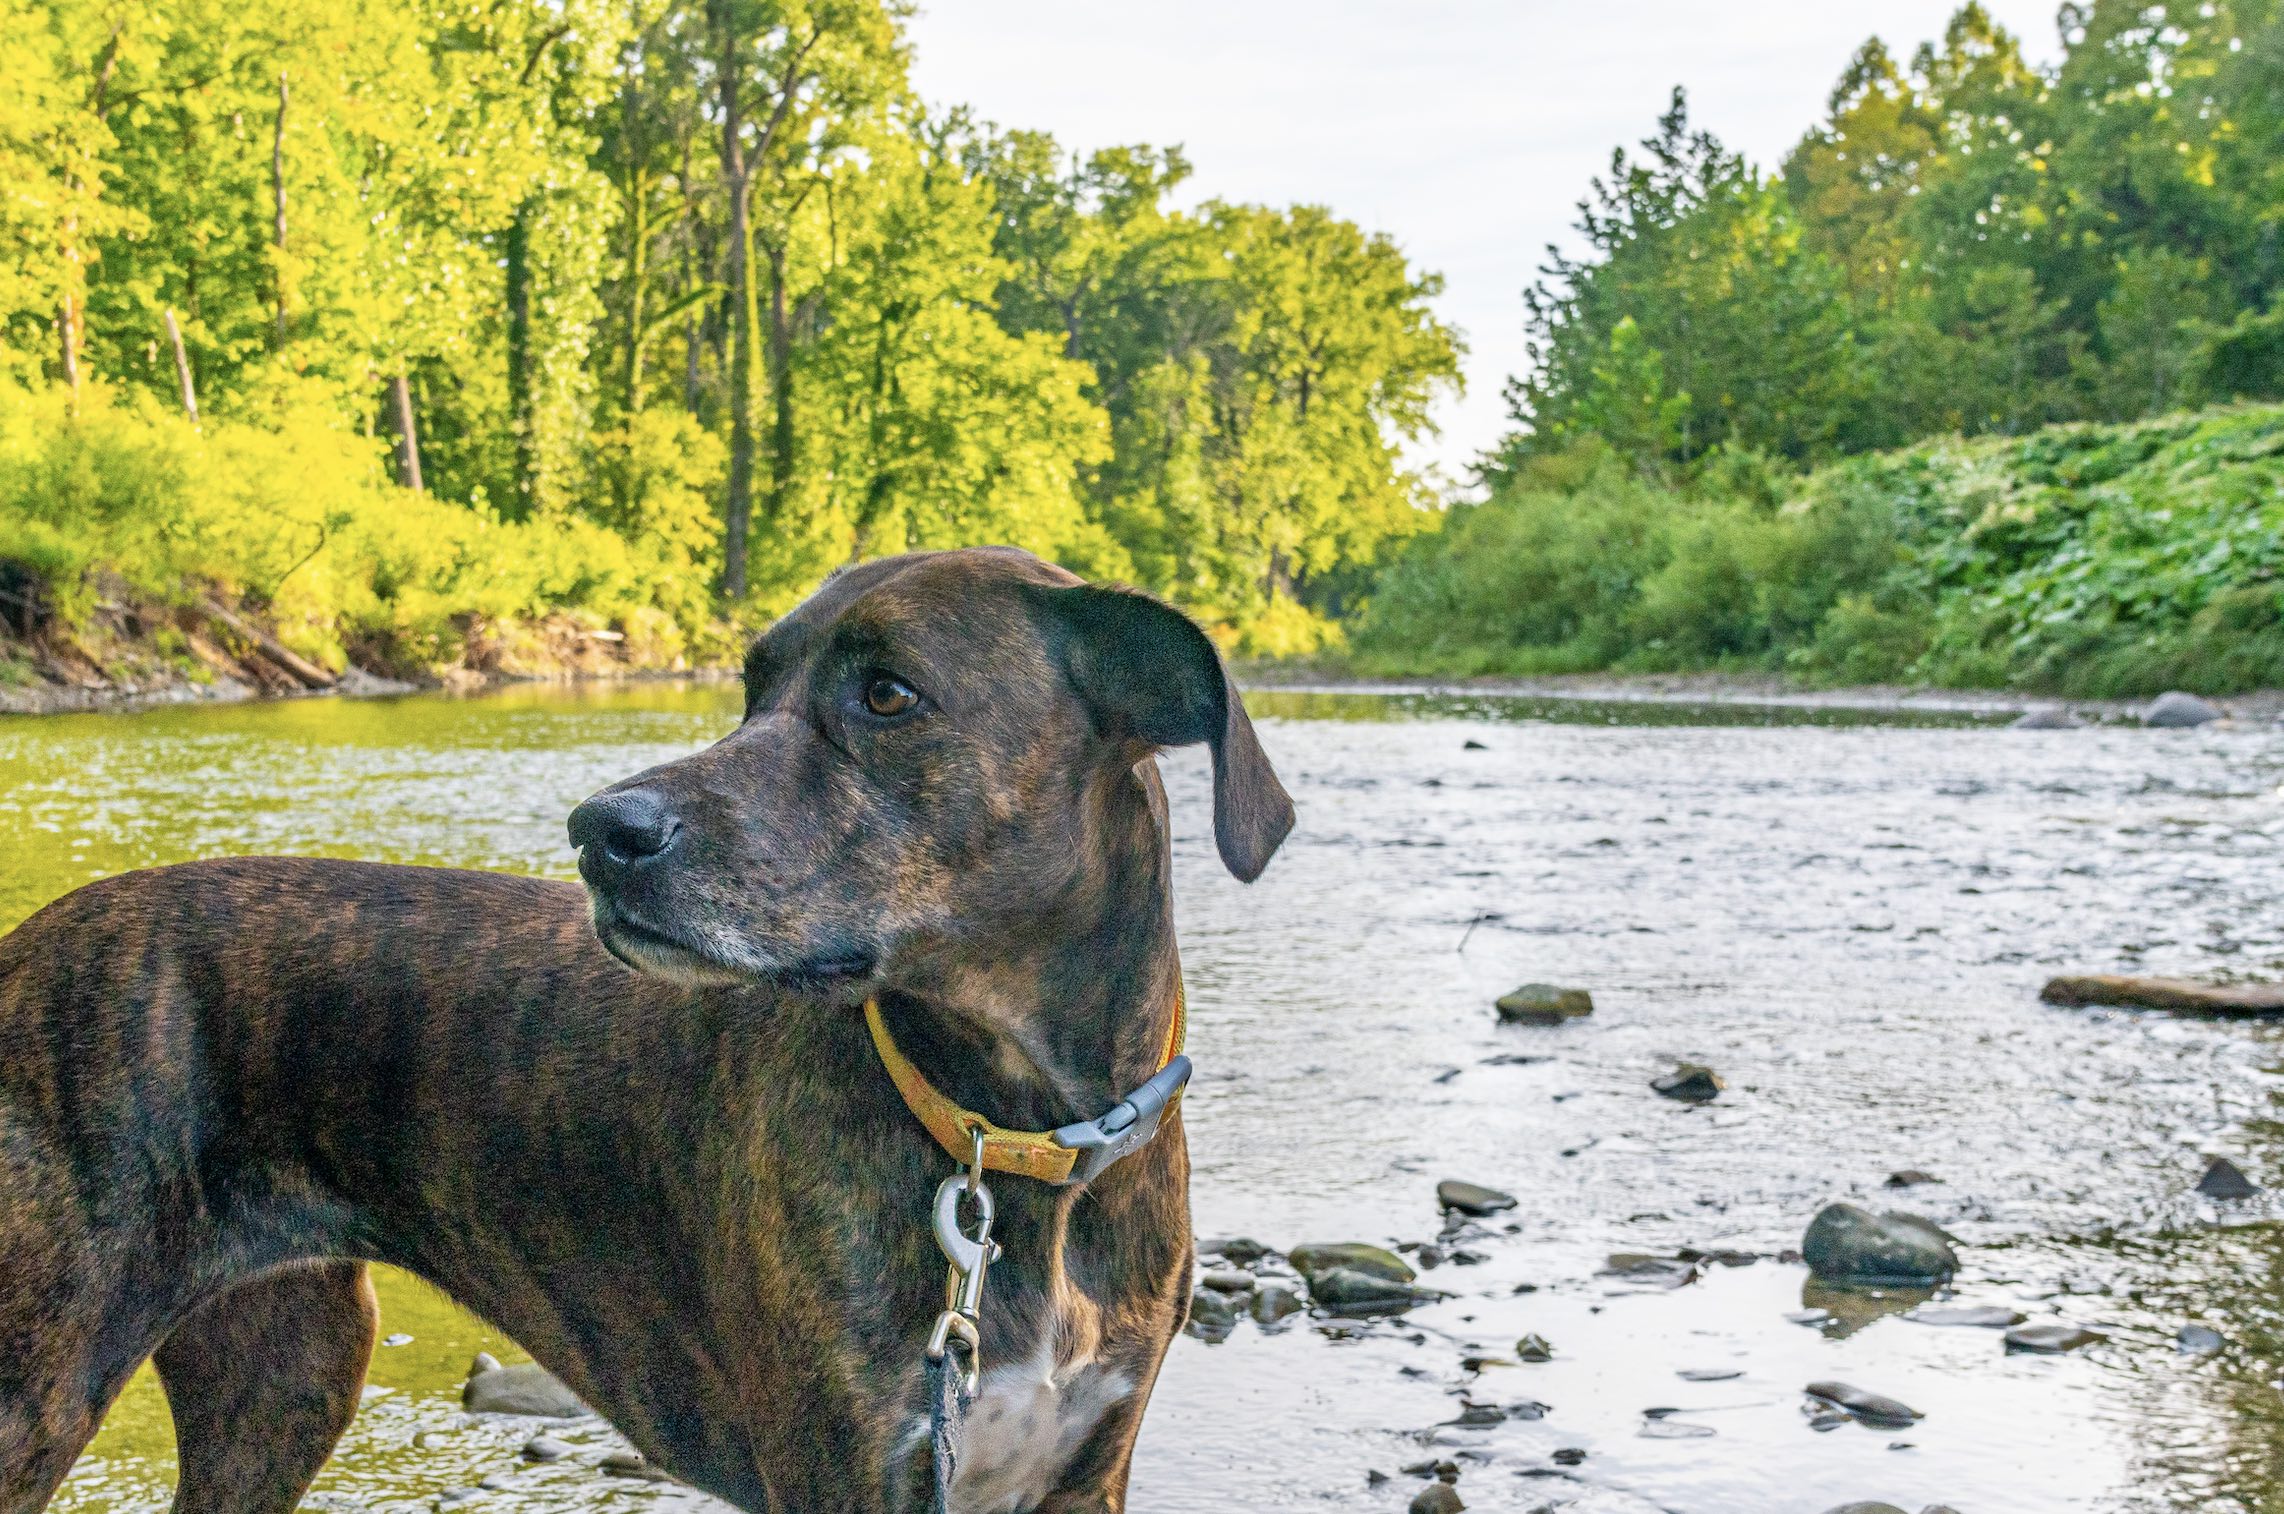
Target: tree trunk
<point>520,407</point>
<point>780,391</point>
<point>182,368</point>
<point>408,435</point>
<point>737,507</point>
<point>278,208</point>
<point>638,280</point>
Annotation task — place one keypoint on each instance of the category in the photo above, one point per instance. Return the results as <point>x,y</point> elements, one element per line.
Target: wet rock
<point>526,1388</point>
<point>1447,1470</point>
<point>1472,745</point>
<point>1352,1256</point>
<point>545,1448</point>
<point>1527,1408</point>
<point>2223,1179</point>
<point>1708,1374</point>
<point>2050,1340</point>
<point>399,1339</point>
<point>1229,1282</point>
<point>1911,1177</point>
<point>2049,717</point>
<point>1273,1302</point>
<point>1569,1456</point>
<point>1720,1256</point>
<point>1853,1247</point>
<point>1855,1307</point>
<point>1471,1198</point>
<point>2187,995</point>
<point>1809,1317</point>
<point>2174,710</point>
<point>1237,1250</point>
<point>1674,1429</point>
<point>1344,1290</point>
<point>2199,1340</point>
<point>490,1482</point>
<point>1544,1004</point>
<point>1650,1271</point>
<point>1969,1316</point>
<point>1437,1498</point>
<point>1478,1416</point>
<point>1212,1316</point>
<point>1870,1408</point>
<point>1690,1082</point>
<point>1534,1348</point>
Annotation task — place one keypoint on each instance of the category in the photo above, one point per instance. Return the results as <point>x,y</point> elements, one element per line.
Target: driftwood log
<point>2167,993</point>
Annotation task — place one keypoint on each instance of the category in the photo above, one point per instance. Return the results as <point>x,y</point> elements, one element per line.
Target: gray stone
<point>1273,1302</point>
<point>1533,1348</point>
<point>1690,1082</point>
<point>1229,1282</point>
<point>1212,1317</point>
<point>1853,1247</point>
<point>1911,1177</point>
<point>1870,1408</point>
<point>545,1448</point>
<point>2047,717</point>
<point>1544,1004</point>
<point>1471,1198</point>
<point>1344,1290</point>
<point>1708,1374</point>
<point>1865,1508</point>
<point>2175,710</point>
<point>2050,1340</point>
<point>1437,1498</point>
<point>1353,1256</point>
<point>2223,1179</point>
<point>1237,1250</point>
<point>1969,1316</point>
<point>2199,1340</point>
<point>526,1388</point>
<point>1674,1429</point>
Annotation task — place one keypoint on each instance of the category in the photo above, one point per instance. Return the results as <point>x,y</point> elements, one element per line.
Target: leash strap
<point>947,1416</point>
<point>1074,1154</point>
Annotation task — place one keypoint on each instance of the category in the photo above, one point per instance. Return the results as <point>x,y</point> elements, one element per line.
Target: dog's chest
<point>1027,1422</point>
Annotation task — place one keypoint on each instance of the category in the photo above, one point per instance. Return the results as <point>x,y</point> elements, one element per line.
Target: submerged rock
<point>1212,1317</point>
<point>1690,1082</point>
<point>1437,1498</point>
<point>2223,1179</point>
<point>1544,1004</point>
<point>1911,1177</point>
<point>2051,1340</point>
<point>2176,710</point>
<point>1471,1198</point>
<point>2047,717</point>
<point>2186,995</point>
<point>526,1388</point>
<point>1344,1290</point>
<point>1708,1374</point>
<point>1237,1250</point>
<point>2199,1340</point>
<point>1970,1316</point>
<point>1273,1302</point>
<point>545,1448</point>
<point>1534,1348</point>
<point>1871,1408</point>
<point>1354,1256</point>
<point>1648,1270</point>
<point>1851,1247</point>
<point>1229,1282</point>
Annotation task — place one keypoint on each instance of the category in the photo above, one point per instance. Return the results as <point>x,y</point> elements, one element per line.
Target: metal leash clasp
<point>970,1256</point>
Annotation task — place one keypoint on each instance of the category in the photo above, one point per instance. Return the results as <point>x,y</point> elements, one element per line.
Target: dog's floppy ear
<point>1150,674</point>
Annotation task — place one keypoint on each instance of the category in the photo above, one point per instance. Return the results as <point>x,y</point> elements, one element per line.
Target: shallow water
<point>1850,920</point>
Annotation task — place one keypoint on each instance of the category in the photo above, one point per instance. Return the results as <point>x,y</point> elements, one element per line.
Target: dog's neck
<point>1070,1022</point>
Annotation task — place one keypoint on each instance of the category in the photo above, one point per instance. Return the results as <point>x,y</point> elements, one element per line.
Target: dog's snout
<point>630,825</point>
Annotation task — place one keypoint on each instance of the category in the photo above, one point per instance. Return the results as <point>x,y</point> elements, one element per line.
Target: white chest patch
<point>1025,1425</point>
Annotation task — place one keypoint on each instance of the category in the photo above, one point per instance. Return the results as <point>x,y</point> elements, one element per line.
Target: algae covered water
<point>1848,919</point>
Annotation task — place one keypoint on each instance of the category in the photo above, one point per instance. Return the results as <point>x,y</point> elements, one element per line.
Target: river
<point>1849,918</point>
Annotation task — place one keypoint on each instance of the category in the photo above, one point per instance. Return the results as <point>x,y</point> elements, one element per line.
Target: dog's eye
<point>889,697</point>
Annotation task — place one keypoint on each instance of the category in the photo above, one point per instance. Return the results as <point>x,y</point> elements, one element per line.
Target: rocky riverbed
<point>1846,924</point>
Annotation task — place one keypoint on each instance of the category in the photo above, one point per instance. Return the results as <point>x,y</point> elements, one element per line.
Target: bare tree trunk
<point>408,434</point>
<point>278,206</point>
<point>520,407</point>
<point>182,368</point>
<point>780,390</point>
<point>737,506</point>
<point>71,331</point>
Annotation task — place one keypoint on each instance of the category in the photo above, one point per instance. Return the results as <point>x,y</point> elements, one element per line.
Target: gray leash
<point>951,1383</point>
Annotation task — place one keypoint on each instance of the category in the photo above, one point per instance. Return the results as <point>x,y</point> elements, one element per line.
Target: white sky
<point>1465,129</point>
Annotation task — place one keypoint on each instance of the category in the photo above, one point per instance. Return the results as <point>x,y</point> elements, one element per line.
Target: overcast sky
<point>1465,129</point>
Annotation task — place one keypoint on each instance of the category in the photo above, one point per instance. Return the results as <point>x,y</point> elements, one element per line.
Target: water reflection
<point>1848,920</point>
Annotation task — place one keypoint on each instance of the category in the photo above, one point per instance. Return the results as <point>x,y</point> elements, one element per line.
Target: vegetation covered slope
<point>2081,559</point>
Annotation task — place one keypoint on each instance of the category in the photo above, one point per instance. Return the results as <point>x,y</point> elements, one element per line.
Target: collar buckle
<point>1126,1128</point>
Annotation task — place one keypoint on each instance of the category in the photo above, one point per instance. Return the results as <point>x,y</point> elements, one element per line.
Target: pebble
<point>1351,1256</point>
<point>1347,1291</point>
<point>630,1464</point>
<point>1569,1456</point>
<point>1212,1317</point>
<point>1229,1282</point>
<point>1911,1177</point>
<point>1674,1429</point>
<point>398,1339</point>
<point>1871,1408</point>
<point>1471,1198</point>
<point>1690,1082</point>
<point>2051,1340</point>
<point>2174,710</point>
<point>1851,1246</point>
<point>1809,1316</point>
<point>545,1448</point>
<point>1653,1271</point>
<point>1273,1302</point>
<point>1477,1416</point>
<point>526,1388</point>
<point>1445,1469</point>
<point>1437,1498</point>
<point>1534,1348</point>
<point>1237,1250</point>
<point>2050,717</point>
<point>1972,1316</point>
<point>2223,1179</point>
<point>1544,1004</point>
<point>2199,1340</point>
<point>1708,1374</point>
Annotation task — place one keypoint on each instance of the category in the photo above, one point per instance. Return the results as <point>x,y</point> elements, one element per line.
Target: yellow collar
<point>1051,1156</point>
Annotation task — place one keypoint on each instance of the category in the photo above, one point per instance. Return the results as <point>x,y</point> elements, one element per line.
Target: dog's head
<point>937,749</point>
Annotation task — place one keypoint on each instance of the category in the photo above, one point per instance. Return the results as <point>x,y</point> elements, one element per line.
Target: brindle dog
<point>690,1190</point>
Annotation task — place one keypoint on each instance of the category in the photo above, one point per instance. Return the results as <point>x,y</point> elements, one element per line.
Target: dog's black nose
<point>628,825</point>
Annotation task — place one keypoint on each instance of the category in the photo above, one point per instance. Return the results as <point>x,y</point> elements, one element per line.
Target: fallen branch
<point>308,674</point>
